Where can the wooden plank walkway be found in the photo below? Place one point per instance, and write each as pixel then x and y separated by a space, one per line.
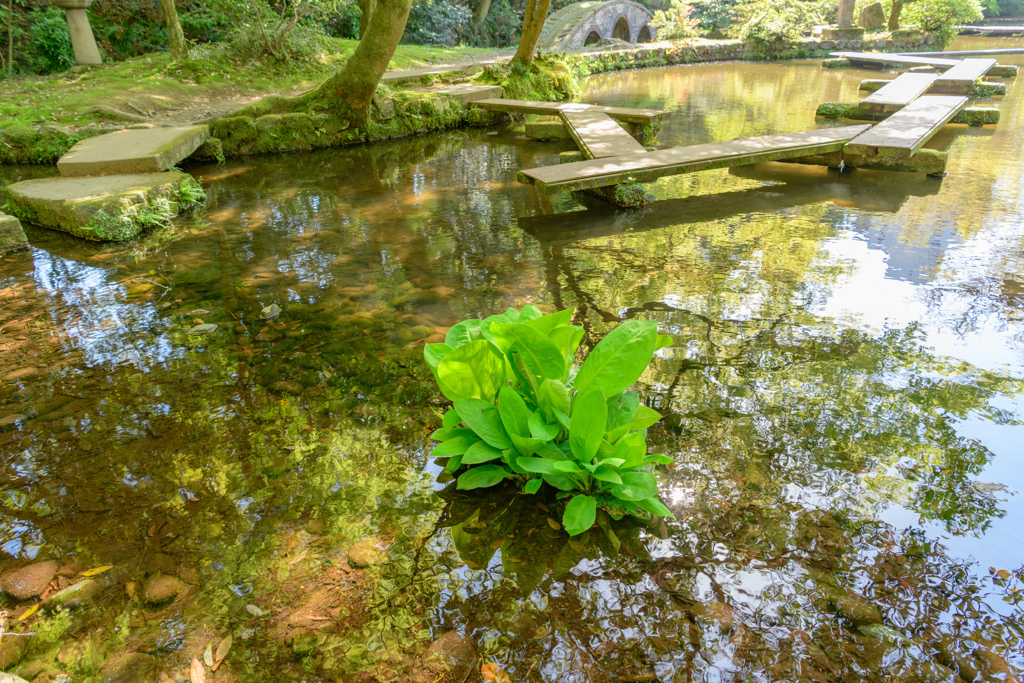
pixel 878 59
pixel 898 93
pixel 907 130
pixel 648 166
pixel 961 78
pixel 992 30
pixel 548 108
pixel 598 136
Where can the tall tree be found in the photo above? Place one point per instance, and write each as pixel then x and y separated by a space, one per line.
pixel 480 13
pixel 175 36
pixel 533 21
pixel 353 87
pixel 366 8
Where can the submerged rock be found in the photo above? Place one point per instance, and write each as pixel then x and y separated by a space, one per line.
pixel 28 582
pixel 206 328
pixel 11 678
pixel 131 668
pixel 286 387
pixel 450 656
pixel 366 553
pixel 160 588
pixel 76 595
pixel 857 609
pixel 270 312
pixel 12 649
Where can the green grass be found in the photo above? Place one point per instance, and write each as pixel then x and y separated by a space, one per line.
pixel 155 82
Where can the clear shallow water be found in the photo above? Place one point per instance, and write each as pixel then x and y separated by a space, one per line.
pixel 846 380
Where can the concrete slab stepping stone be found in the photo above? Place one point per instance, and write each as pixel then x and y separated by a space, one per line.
pixel 132 151
pixel 464 93
pixel 12 235
pixel 105 208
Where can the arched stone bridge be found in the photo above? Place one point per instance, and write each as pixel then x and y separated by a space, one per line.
pixel 585 23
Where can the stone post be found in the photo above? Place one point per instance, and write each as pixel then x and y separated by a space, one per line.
pixel 82 40
pixel 846 11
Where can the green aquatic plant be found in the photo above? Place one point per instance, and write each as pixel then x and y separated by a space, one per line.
pixel 522 410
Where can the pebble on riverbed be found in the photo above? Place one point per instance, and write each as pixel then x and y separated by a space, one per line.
pixel 160 588
pixel 366 553
pixel 28 582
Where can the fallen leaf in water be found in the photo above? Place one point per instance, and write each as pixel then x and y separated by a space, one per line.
pixel 197 674
pixel 208 655
pixel 97 570
pixel 491 671
pixel 131 588
pixel 222 651
pixel 29 612
pixel 152 530
pixel 254 610
pixel 554 525
pixel 497 544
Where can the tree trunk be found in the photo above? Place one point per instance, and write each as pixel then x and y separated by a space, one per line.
pixel 354 86
pixel 366 8
pixel 533 22
pixel 179 49
pixel 480 13
pixel 894 15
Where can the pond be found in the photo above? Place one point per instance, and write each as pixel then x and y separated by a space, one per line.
pixel 843 402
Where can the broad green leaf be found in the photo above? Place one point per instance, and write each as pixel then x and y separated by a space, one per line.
pixel 538 465
pixel 658 458
pixel 453 464
pixel 442 434
pixel 644 418
pixel 539 353
pixel 454 446
pixel 463 333
pixel 451 419
pixel 526 445
pixel 586 426
pixel 559 482
pixel 619 359
pixel 482 417
pixel 608 474
pixel 528 380
pixel 482 477
pixel 433 353
pixel 513 411
pixel 551 452
pixel 664 341
pixel 621 409
pixel 567 339
pixel 552 321
pixel 529 312
pixel 568 466
pixel 579 515
pixel 632 449
pixel 553 396
pixel 540 429
pixel 533 485
pixel 613 462
pixel 473 370
pixel 512 315
pixel 635 486
pixel 480 452
pixel 655 507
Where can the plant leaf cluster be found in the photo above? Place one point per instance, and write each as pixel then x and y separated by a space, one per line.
pixel 523 410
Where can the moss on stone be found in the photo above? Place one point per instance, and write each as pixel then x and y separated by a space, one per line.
pixel 27 144
pixel 972 116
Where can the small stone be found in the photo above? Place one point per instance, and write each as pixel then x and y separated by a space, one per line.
pixel 872 17
pixel 857 609
pixel 160 588
pixel 205 328
pixel 254 610
pixel 131 668
pixel 76 595
pixel 28 582
pixel 450 655
pixel 366 553
pixel 9 420
pixel 12 649
pixel 197 312
pixel 270 312
pixel 286 387
pixel 11 678
pixel 12 235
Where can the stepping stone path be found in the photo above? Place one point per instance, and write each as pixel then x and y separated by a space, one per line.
pixel 102 208
pixel 114 185
pixel 12 235
pixel 150 150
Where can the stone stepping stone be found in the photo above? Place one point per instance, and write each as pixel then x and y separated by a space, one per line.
pixel 464 93
pixel 12 235
pixel 149 150
pixel 104 208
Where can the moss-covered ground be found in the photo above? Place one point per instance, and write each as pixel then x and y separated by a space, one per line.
pixel 155 82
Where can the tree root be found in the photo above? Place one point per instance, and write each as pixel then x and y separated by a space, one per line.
pixel 110 112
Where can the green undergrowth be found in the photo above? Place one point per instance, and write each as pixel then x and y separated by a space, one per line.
pixel 549 78
pixel 154 81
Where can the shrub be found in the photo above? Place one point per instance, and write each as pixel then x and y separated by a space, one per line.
pixel 771 30
pixel 501 28
pixel 714 16
pixel 523 411
pixel 675 23
pixel 123 40
pixel 941 17
pixel 260 38
pixel 342 20
pixel 436 22
pixel 51 42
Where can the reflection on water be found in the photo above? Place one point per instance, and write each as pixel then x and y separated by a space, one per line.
pixel 843 403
